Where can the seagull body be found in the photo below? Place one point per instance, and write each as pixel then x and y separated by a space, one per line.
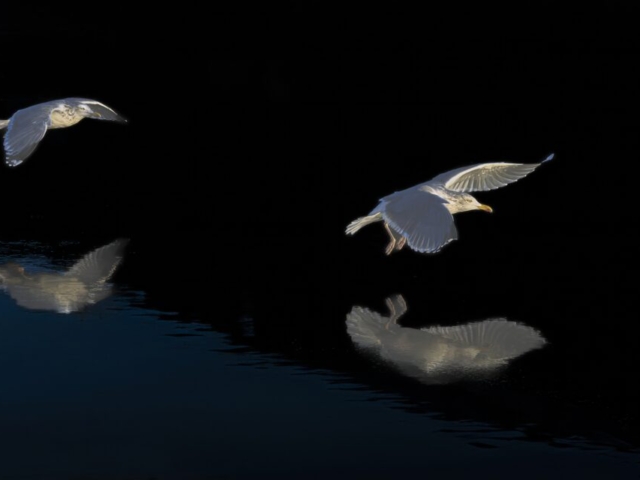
pixel 85 283
pixel 27 127
pixel 422 216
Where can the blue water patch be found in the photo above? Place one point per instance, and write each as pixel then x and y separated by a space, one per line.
pixel 112 392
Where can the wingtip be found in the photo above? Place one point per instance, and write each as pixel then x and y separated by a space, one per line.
pixel 12 163
pixel 121 243
pixel 550 157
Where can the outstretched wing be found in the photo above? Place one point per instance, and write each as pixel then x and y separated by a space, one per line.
pixel 26 128
pixel 101 111
pixel 485 176
pixel 421 218
pixel 98 265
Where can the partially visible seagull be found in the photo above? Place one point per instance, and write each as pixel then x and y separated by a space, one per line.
pixel 27 127
pixel 436 354
pixel 422 216
pixel 85 283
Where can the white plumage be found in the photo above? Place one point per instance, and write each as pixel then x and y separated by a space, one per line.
pixel 422 216
pixel 27 127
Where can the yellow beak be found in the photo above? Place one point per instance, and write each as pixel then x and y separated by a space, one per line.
pixel 486 208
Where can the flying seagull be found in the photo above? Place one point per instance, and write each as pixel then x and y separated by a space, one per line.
pixel 437 354
pixel 422 216
pixel 85 283
pixel 27 127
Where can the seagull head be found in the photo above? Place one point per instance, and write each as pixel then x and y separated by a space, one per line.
pixel 465 202
pixel 476 205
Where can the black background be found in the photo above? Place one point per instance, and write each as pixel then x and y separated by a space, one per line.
pixel 255 136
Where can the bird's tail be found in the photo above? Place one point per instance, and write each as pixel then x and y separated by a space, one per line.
pixel 358 223
pixel 366 327
pixel 3 124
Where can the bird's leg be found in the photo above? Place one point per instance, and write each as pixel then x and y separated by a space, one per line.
pixel 390 247
pixel 401 243
pixel 392 312
pixel 392 242
pixel 395 313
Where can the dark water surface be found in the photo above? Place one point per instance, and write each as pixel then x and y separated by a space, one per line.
pixel 271 384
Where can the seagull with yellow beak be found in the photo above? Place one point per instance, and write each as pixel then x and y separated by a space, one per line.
pixel 422 216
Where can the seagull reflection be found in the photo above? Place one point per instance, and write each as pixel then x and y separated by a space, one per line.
pixel 440 354
pixel 85 283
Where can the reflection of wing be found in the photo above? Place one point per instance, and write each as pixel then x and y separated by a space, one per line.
pixel 26 128
pixel 496 339
pixel 485 176
pixel 421 217
pixel 99 265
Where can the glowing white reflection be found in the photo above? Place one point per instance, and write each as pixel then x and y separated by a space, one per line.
pixel 440 354
pixel 85 283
